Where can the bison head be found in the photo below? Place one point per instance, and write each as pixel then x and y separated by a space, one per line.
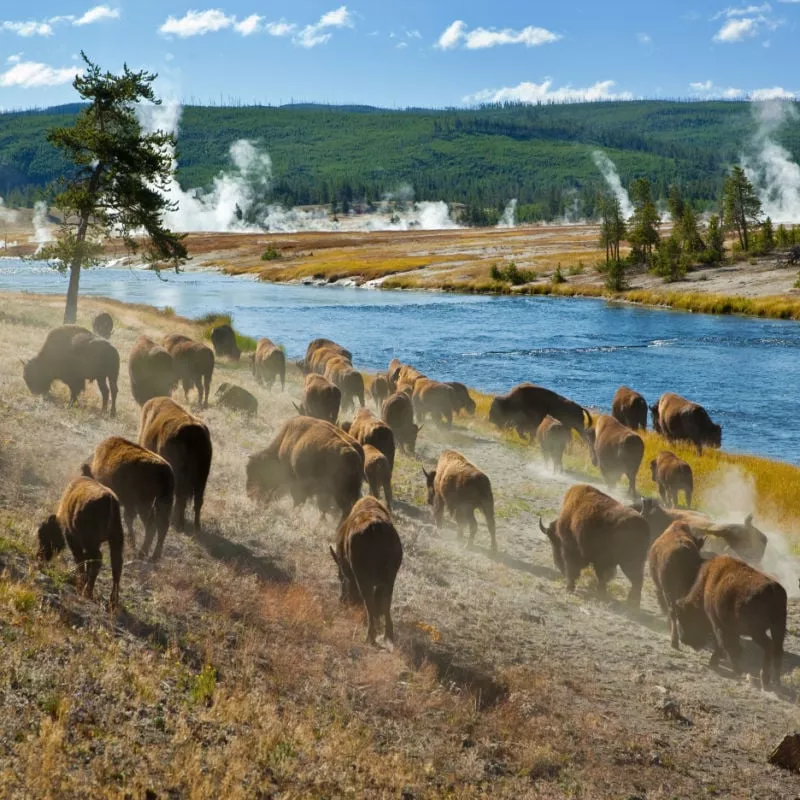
pixel 413 431
pixel 51 538
pixel 714 436
pixel 496 415
pixel 349 589
pixel 693 624
pixel 36 377
pixel 551 533
pixel 430 477
pixel 265 476
pixel 656 420
pixel 590 437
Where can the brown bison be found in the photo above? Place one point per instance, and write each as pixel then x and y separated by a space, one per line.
pixel 672 475
pixel 553 437
pixel 462 401
pixel 340 372
pixel 730 599
pixel 150 370
pixel 366 428
pixel 144 484
pixel 460 487
pixel 223 338
pixel 321 399
pixel 73 355
pixel 678 419
pixel 595 530
pixel 88 514
pixel 325 344
pixel 615 450
pixel 398 413
pixel 526 405
pixel 378 473
pixel 745 540
pixel 379 390
pixel 434 399
pixel 193 363
pixel 629 408
pixel 268 363
pixel 369 554
pixel 184 442
pixel 674 560
pixel 309 458
pixel 235 398
pixel 403 376
pixel 103 324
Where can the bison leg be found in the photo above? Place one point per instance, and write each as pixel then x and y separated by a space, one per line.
pixel 149 533
pixel 129 514
pixel 688 495
pixel 114 389
pixel 103 387
pixel 438 510
pixel 179 512
pixel 93 564
pixel 198 506
pixel 573 572
pixel 368 595
pixel 384 602
pixel 662 493
pixel 632 485
pixel 634 572
pixel 387 493
pixel 469 516
pixel 763 641
pixel 673 630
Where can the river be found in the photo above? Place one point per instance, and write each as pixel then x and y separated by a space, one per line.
pixel 742 369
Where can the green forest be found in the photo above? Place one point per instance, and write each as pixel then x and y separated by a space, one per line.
pixel 353 156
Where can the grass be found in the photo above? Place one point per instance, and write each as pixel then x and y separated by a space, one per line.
pixel 214 319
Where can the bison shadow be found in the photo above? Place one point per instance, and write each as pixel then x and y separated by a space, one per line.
pixel 160 636
pixel 412 511
pixel 240 557
pixel 511 562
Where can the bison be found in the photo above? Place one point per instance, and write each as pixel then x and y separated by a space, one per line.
pixel 366 428
pixel 268 363
pixel 88 514
pixel 460 487
pixel 672 475
pixel 398 413
pixel 143 482
pixel 595 530
pixel 679 419
pixel 369 554
pixel 309 458
pixel 403 376
pixel 434 399
pixel 223 338
pixel 616 450
pixel 378 473
pixel 462 401
pixel 629 408
pixel 553 437
pixel 340 372
pixel 321 399
pixel 184 442
pixel 103 324
pixel 235 398
pixel 193 363
pixel 674 560
pixel 73 355
pixel 526 405
pixel 379 390
pixel 151 371
pixel 327 344
pixel 730 599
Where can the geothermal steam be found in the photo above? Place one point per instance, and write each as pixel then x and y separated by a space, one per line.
pixel 509 218
pixel 609 172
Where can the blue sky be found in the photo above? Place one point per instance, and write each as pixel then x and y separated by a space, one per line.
pixel 395 54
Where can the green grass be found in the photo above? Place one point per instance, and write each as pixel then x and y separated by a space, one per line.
pixel 214 319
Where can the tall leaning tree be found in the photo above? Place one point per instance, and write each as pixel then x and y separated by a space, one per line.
pixel 121 172
pixel 741 207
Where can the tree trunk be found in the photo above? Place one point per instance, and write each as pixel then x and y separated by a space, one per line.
pixel 71 309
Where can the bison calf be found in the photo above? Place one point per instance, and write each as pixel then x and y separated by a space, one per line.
pixel 459 486
pixel 151 371
pixel 103 324
pixel 672 475
pixel 223 338
pixel 615 450
pixel 369 554
pixel 553 437
pixel 398 413
pixel 235 398
pixel 629 408
pixel 193 363
pixel 268 363
pixel 730 599
pixel 88 514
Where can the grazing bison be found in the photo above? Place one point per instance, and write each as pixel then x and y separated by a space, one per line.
pixel 459 486
pixel 193 363
pixel 745 540
pixel 378 473
pixel 309 458
pixel 379 390
pixel 369 554
pixel 462 401
pixel 553 437
pixel 103 324
pixel 629 408
pixel 88 514
pixel 268 363
pixel 321 399
pixel 224 340
pixel 366 428
pixel 526 405
pixel 672 475
pixel 340 372
pixel 72 355
pixel 150 370
pixel 184 442
pixel 730 599
pixel 434 399
pixel 235 398
pixel 678 419
pixel 595 530
pixel 144 484
pixel 398 413
pixel 615 450
pixel 674 560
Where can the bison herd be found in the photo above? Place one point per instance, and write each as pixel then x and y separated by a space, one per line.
pixel 718 595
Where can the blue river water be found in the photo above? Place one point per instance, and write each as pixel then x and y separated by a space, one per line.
pixel 744 370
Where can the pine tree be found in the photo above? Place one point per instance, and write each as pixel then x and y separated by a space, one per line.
pixel 715 242
pixel 767 236
pixel 741 206
pixel 643 232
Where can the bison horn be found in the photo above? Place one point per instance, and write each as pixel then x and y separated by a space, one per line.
pixel 298 409
pixel 425 473
pixel 542 528
pixel 333 555
pixel 748 521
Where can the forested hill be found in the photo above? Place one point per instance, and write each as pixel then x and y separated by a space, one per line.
pixel 540 155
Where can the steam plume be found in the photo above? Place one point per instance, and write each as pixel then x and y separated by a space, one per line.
pixel 41 230
pixel 509 218
pixel 611 177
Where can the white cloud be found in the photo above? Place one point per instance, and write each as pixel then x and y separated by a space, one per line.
pixel 196 23
pixel 280 28
pixel 735 30
pixel 97 14
pixel 415 34
pixel 401 45
pixel 528 92
pixel 320 32
pixel 482 38
pixel 249 25
pixel 701 86
pixel 644 38
pixel 745 22
pixel 452 35
pixel 775 93
pixel 743 11
pixel 29 28
pixel 32 74
pixel 708 90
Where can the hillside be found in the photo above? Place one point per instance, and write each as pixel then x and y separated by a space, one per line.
pixel 540 155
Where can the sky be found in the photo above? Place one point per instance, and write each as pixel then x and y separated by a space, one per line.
pixel 424 53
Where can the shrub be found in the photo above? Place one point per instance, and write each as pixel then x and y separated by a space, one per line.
pixel 202 686
pixel 212 320
pixel 615 277
pixel 512 274
pixel 271 253
pixel 558 276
